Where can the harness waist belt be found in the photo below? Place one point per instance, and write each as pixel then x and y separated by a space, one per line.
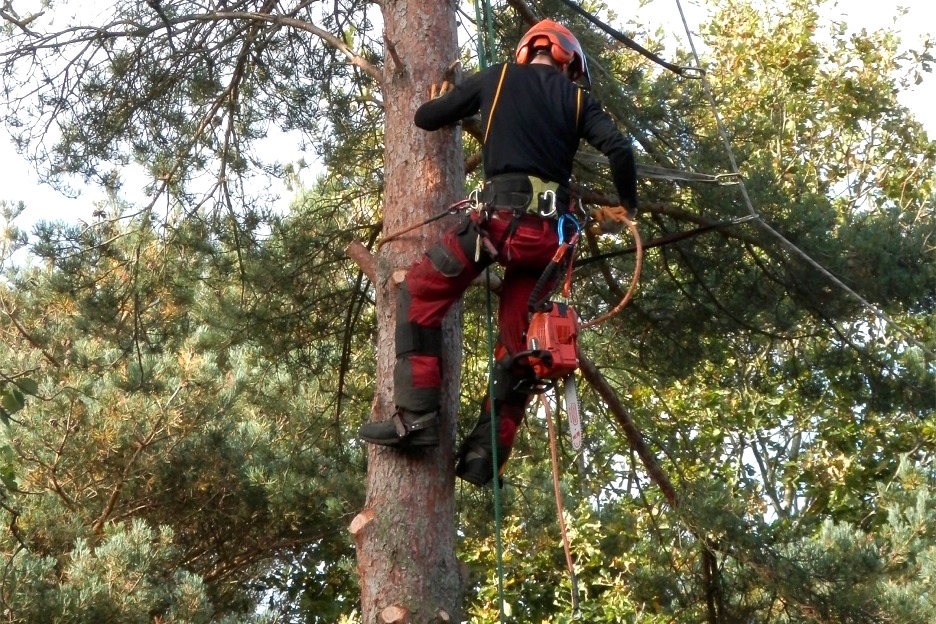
pixel 516 192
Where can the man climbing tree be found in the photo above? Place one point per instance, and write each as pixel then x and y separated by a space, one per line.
pixel 533 118
pixel 186 419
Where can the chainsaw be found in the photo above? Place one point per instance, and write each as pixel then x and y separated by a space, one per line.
pixel 552 340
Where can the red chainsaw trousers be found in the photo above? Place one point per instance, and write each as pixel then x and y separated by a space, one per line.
pixel 524 245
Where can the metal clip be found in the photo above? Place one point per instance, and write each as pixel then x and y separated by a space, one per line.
pixel 728 179
pixel 551 196
pixel 694 73
pixel 475 198
pixel 578 228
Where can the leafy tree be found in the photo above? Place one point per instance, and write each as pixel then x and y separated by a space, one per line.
pixel 154 407
pixel 759 444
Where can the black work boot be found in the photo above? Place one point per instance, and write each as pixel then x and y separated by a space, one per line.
pixel 404 429
pixel 475 465
pixel 475 462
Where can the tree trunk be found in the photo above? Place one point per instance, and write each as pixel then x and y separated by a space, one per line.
pixel 406 534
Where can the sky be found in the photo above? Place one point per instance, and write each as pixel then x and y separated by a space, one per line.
pixel 21 183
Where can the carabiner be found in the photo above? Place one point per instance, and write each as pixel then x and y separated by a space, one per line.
pixel 561 226
pixel 551 196
pixel 475 198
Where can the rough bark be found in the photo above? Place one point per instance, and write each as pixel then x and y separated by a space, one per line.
pixel 406 552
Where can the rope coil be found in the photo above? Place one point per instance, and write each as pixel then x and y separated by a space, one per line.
pixel 635 278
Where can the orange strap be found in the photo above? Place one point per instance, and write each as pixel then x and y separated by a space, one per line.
pixel 494 105
pixel 567 286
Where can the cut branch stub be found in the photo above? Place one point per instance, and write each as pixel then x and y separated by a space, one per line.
pixel 394 615
pixel 361 521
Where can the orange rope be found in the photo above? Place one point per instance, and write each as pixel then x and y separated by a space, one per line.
pixel 555 475
pixel 634 280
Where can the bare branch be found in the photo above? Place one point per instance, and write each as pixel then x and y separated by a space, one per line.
pixel 634 436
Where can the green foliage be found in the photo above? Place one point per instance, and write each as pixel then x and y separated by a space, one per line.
pixel 879 576
pixel 183 388
pixel 12 400
pixel 163 401
pixel 123 578
pixel 13 397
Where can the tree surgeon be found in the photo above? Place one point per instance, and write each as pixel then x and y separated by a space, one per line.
pixel 534 115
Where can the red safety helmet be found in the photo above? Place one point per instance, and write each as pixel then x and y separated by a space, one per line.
pixel 563 47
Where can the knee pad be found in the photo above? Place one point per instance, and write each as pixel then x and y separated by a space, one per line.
pixel 410 337
pixel 444 261
pixel 417 383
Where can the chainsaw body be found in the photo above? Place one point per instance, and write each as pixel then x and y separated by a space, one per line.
pixel 553 341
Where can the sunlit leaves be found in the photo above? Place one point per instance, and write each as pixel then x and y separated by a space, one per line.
pixel 205 369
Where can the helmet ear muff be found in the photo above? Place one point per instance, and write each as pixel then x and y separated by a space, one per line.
pixel 561 56
pixel 544 42
pixel 523 55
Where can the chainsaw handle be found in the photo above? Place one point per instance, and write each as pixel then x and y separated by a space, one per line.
pixel 539 294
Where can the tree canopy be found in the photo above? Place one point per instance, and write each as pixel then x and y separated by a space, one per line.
pixel 181 381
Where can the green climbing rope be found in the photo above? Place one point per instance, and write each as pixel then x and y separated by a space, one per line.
pixel 499 546
pixel 482 54
pixel 484 16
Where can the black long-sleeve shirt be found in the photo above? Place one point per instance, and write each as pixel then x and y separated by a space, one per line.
pixel 539 118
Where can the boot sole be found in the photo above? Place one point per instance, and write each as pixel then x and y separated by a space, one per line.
pixel 475 480
pixel 411 440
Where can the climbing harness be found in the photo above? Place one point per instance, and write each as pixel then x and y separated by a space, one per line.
pixel 522 193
